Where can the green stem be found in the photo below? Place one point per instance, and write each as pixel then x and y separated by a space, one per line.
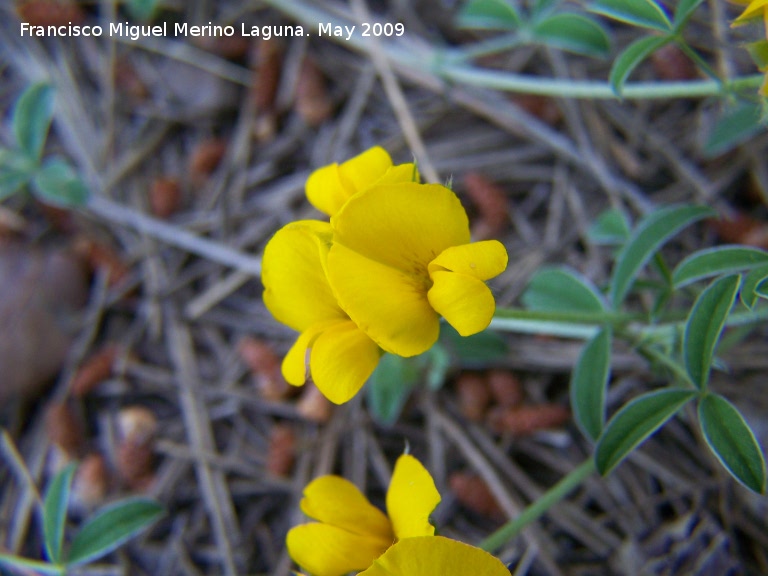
pixel 424 59
pixel 541 505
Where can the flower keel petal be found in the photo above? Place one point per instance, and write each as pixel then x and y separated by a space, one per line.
pixel 482 260
pixel 465 302
pixel 411 498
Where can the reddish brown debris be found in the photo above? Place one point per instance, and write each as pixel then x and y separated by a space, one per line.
pixel 128 81
pixel 135 458
pixel 491 203
pixel 528 419
pixel 474 395
pixel 506 388
pixel 95 369
pixel 670 63
pixel 91 482
pixel 165 197
pixel 50 12
pixel 282 450
pixel 264 364
pixel 742 229
pixel 102 257
pixel 206 157
pixel 313 103
pixel 542 107
pixel 473 493
pixel 266 79
pixel 65 428
pixel 313 406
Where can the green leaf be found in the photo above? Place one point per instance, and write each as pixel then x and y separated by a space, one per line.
pixel 573 32
pixel 16 168
pixel 111 527
pixel 611 228
pixel 635 422
pixel 589 382
pixel 390 385
pixel 759 53
pixel 488 14
pixel 55 506
pixel 734 127
pixel 560 289
pixel 732 441
pixel 717 261
pixel 762 288
pixel 142 10
pixel 651 233
pixel 474 351
pixel 32 117
pixel 542 8
pixel 705 324
pixel 27 565
pixel 643 13
pixel 631 57
pixel 683 11
pixel 439 363
pixel 57 183
pixel 752 285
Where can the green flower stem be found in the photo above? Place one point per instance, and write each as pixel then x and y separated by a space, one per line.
pixel 539 506
pixel 425 59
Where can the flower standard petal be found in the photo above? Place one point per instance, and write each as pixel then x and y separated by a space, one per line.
pixel 342 359
pixel 465 302
pixel 483 260
pixel 435 556
pixel 411 498
pixel 387 304
pixel 296 290
pixel 324 550
pixel 403 225
pixel 335 501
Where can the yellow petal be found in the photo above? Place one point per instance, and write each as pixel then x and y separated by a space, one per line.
pixel 400 173
pixel 390 306
pixel 324 550
pixel 329 187
pixel 756 9
pixel 435 556
pixel 404 226
pixel 411 498
pixel 296 290
pixel 342 359
pixel 465 302
pixel 335 501
pixel 483 260
pixel 294 365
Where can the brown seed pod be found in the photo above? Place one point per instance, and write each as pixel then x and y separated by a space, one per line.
pixel 65 429
pixel 95 369
pixel 313 406
pixel 206 157
pixel 165 197
pixel 91 482
pixel 313 103
pixel 491 203
pixel 282 450
pixel 50 12
pixel 528 419
pixel 506 388
pixel 473 493
pixel 474 395
pixel 264 363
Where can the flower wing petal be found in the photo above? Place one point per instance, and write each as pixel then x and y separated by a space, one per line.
pixel 387 304
pixel 365 169
pixel 336 501
pixel 342 359
pixel 296 290
pixel 294 365
pixel 324 550
pixel 411 498
pixel 464 301
pixel 404 226
pixel 483 260
pixel 435 556
pixel 325 189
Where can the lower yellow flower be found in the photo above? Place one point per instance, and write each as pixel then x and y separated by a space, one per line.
pixel 297 293
pixel 350 533
pixel 329 187
pixel 401 258
pixel 435 556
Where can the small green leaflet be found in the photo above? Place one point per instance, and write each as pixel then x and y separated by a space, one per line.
pixel 574 33
pixel 705 324
pixel 611 228
pixel 732 441
pixel 589 382
pixel 754 286
pixel 735 126
pixel 32 117
pixel 631 57
pixel 716 261
pixel 635 422
pixel 644 13
pixel 390 385
pixel 55 512
pixel 16 168
pixel 57 183
pixel 683 11
pixel 560 289
pixel 488 14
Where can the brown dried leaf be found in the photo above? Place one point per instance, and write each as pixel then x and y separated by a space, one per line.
pixel 206 157
pixel 742 229
pixel 64 428
pixel 491 203
pixel 264 364
pixel 474 395
pixel 95 369
pixel 100 256
pixel 165 197
pixel 506 388
pixel 473 493
pixel 282 450
pixel 528 419
pixel 135 465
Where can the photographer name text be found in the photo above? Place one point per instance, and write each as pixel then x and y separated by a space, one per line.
pixel 135 32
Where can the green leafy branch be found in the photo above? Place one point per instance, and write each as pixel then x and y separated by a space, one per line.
pixel 106 530
pixel 53 180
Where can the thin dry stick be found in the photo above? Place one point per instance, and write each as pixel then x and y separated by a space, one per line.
pixel 397 99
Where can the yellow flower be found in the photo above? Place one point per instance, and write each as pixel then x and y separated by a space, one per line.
pixel 401 257
pixel 329 187
pixel 350 533
pixel 435 556
pixel 297 293
pixel 755 9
